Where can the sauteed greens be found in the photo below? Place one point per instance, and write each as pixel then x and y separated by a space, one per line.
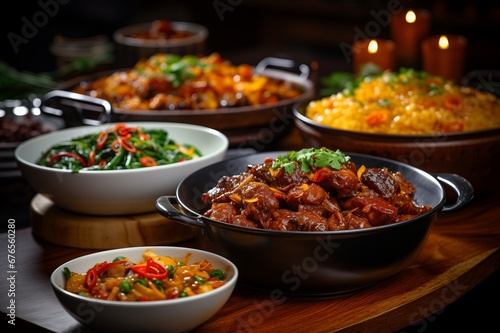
pixel 118 147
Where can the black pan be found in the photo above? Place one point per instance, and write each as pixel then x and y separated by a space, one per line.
pixel 314 263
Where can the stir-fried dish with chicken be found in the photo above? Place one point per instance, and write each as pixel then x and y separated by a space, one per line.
pixel 173 82
pixel 156 277
pixel 313 190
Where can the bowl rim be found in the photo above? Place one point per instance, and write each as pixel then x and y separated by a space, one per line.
pixel 151 124
pixel 230 283
pixel 298 110
pixel 200 33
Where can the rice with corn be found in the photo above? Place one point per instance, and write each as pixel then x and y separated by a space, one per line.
pixel 407 102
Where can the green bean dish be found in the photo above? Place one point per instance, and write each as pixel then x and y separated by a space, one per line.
pixel 117 148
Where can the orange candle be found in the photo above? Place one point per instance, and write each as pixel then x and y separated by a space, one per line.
pixel 444 56
pixel 379 52
pixel 408 29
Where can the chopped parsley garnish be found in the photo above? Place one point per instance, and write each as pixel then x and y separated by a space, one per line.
pixel 311 157
pixel 178 68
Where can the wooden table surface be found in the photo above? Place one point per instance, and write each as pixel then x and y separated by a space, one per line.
pixel 461 252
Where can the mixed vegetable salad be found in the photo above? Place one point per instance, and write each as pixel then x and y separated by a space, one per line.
pixel 116 148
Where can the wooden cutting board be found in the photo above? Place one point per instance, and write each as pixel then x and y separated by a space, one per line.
pixel 66 228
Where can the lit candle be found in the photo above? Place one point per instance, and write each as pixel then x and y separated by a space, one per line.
pixel 378 52
pixel 408 29
pixel 444 56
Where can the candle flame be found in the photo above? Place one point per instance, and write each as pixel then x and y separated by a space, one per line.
pixel 373 47
pixel 410 16
pixel 443 42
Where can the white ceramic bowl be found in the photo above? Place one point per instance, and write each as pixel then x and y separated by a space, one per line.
pixel 174 315
pixel 116 192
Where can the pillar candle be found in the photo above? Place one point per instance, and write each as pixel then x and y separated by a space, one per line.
pixel 408 29
pixel 379 52
pixel 444 55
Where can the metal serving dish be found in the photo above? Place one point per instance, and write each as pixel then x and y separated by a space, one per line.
pixel 314 263
pixel 242 125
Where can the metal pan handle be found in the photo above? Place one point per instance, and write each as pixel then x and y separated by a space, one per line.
pixel 305 71
pixel 462 187
pixel 165 206
pixel 67 104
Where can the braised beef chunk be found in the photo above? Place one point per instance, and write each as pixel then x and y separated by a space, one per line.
pixel 287 220
pixel 225 186
pixel 243 221
pixel 354 221
pixel 322 199
pixel 222 211
pixel 404 184
pixel 307 195
pixel 283 180
pixel 344 182
pixel 406 205
pixel 381 181
pixel 258 203
pixel 336 221
pixel 376 210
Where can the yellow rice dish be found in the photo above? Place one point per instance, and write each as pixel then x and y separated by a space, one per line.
pixel 407 102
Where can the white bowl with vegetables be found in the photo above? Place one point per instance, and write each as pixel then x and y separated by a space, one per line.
pixel 114 291
pixel 117 168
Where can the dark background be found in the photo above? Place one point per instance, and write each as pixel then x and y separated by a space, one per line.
pixel 245 30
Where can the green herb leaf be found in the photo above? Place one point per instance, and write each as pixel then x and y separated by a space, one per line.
pixel 310 158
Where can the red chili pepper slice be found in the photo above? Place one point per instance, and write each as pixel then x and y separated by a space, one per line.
pixel 101 140
pixel 377 117
pixel 453 103
pixel 453 126
pixel 57 156
pixel 125 137
pixel 123 130
pixel 148 161
pixel 101 267
pixel 91 158
pixel 128 146
pixel 174 294
pixel 93 274
pixel 151 269
pixel 156 270
pixel 119 129
pixel 116 145
pixel 91 278
pixel 320 175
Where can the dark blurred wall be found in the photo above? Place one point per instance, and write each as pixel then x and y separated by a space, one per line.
pixel 29 27
pixel 239 27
